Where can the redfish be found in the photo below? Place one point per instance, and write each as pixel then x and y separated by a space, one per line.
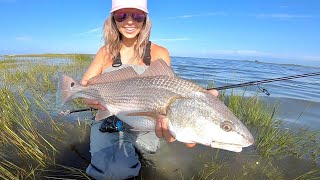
pixel 194 115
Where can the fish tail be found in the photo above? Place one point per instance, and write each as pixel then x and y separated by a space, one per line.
pixel 65 89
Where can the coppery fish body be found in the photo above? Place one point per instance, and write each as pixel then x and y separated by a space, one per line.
pixel 194 114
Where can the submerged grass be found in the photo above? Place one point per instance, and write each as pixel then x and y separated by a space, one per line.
pixel 22 140
pixel 33 132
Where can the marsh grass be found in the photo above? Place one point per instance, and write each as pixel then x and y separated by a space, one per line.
pixel 21 138
pixel 34 134
pixel 8 63
pixel 31 134
pixel 63 172
pixel 212 168
pixel 311 175
pixel 81 58
pixel 256 171
pixel 48 55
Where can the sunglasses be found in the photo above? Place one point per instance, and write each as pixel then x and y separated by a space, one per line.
pixel 138 17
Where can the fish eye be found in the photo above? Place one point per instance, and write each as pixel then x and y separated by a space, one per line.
pixel 72 84
pixel 227 126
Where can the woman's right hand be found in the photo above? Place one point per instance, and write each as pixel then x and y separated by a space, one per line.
pixel 91 102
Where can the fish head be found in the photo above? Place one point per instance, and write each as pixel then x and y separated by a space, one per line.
pixel 229 134
pixel 210 122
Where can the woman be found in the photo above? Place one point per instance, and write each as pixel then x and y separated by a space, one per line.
pixel 126 35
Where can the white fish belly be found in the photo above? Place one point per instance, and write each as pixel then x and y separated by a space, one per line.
pixel 138 123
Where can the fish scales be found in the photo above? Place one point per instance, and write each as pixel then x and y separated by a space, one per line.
pixel 140 92
pixel 194 115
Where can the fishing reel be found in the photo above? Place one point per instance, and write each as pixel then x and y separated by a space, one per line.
pixel 111 124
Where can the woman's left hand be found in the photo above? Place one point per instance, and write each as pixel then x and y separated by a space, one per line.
pixel 162 130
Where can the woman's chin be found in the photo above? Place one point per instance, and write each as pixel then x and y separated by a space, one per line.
pixel 130 36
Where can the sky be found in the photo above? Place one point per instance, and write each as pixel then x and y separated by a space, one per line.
pixel 279 31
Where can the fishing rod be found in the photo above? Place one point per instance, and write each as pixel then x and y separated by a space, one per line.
pixel 66 112
pixel 251 83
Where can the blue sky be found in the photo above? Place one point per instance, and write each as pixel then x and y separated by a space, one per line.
pixel 280 31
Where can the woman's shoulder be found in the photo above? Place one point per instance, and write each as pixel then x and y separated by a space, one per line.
pixel 159 52
pixel 102 56
pixel 102 51
pixel 159 49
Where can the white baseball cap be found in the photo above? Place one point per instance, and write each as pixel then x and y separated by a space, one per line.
pixel 137 4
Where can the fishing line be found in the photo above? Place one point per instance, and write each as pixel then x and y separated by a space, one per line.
pixel 251 83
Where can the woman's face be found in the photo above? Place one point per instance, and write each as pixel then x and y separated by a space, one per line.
pixel 129 21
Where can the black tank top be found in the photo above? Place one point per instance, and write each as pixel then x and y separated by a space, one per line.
pixel 146 58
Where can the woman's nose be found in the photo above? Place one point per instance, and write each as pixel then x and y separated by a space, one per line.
pixel 130 19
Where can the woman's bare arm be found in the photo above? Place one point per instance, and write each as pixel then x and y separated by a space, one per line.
pixel 94 69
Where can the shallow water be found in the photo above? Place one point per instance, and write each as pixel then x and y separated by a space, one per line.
pixel 175 161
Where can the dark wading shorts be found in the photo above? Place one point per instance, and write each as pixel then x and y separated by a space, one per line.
pixel 113 155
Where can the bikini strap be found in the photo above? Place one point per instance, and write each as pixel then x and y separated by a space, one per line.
pixel 147 54
pixel 117 61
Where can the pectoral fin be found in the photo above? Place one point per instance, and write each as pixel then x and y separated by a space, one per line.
pixel 163 111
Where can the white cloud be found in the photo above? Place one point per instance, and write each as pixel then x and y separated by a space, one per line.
pixel 171 39
pixel 284 6
pixel 284 16
pixel 262 54
pixel 91 32
pixel 198 15
pixel 23 38
pixel 240 52
pixel 311 58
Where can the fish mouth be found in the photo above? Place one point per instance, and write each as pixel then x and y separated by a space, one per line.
pixel 229 147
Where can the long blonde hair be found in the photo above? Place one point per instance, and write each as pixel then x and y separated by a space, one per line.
pixel 112 39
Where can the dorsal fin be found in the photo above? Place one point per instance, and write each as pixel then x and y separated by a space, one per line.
pixel 159 68
pixel 117 75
